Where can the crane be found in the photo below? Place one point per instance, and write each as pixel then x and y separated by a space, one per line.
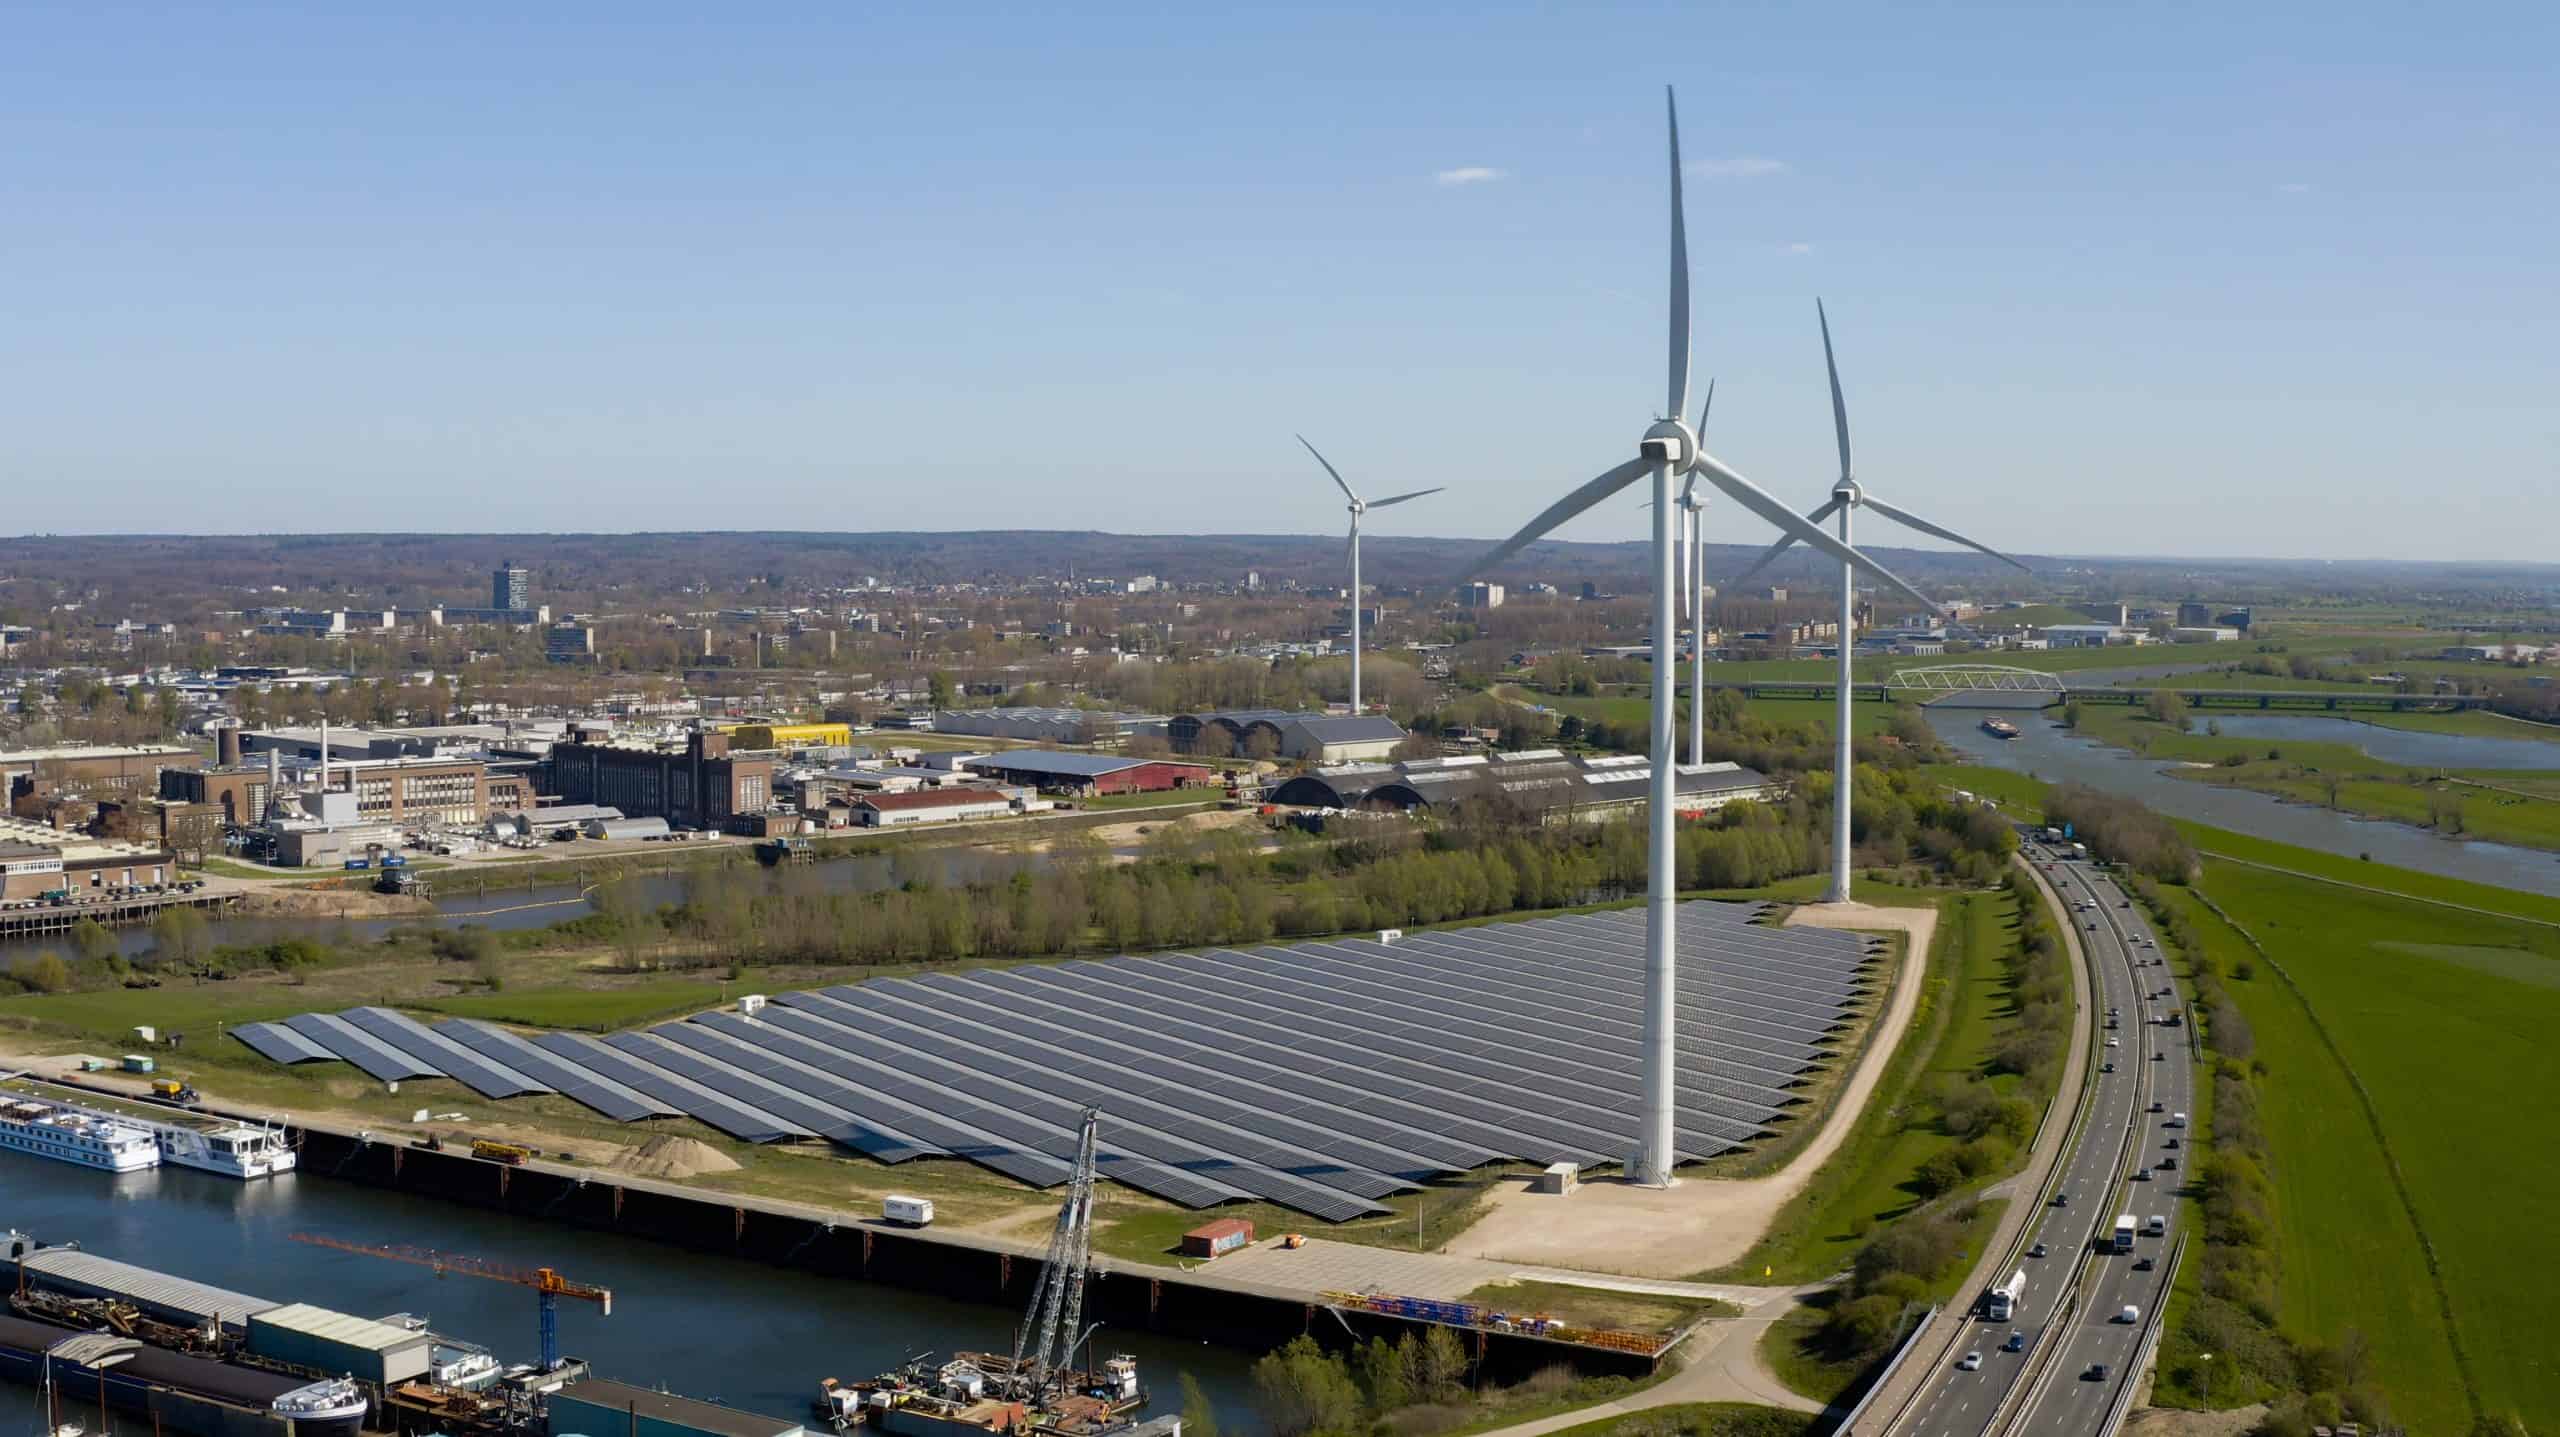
pixel 548 1284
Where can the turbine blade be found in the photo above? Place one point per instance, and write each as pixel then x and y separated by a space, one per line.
pixel 1770 555
pixel 1910 520
pixel 1707 408
pixel 1557 513
pixel 1400 498
pixel 1329 469
pixel 1679 404
pixel 1839 406
pixel 1761 502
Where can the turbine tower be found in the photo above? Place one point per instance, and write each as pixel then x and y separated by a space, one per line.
pixel 1359 506
pixel 1693 580
pixel 1847 495
pixel 1667 451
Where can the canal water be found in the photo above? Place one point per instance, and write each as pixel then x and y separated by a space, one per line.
pixel 2413 747
pixel 750 1335
pixel 2048 751
pixel 543 904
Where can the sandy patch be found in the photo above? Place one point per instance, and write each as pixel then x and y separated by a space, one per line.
pixel 669 1156
pixel 1615 1226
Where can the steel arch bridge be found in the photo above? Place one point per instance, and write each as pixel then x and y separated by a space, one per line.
pixel 1974 678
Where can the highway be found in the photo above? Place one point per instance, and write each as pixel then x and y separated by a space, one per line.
pixel 2122 1134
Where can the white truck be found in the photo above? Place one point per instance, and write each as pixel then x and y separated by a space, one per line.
pixel 907 1211
pixel 2124 1233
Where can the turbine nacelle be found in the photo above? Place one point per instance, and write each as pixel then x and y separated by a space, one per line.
pixel 1672 442
pixel 1848 491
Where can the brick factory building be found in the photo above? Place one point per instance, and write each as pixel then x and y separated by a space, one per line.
pixel 1089 773
pixel 702 785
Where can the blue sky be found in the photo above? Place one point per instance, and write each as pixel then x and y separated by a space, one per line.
pixel 2143 280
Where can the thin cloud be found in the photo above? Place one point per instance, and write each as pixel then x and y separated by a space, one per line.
pixel 1470 175
pixel 1738 167
pixel 1799 247
pixel 2293 187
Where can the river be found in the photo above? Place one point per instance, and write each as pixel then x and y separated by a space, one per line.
pixel 2048 751
pixel 746 1334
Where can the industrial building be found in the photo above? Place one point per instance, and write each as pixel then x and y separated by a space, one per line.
pixel 935 805
pixel 1481 595
pixel 569 644
pixel 703 784
pixel 36 860
pixel 109 765
pixel 453 792
pixel 1089 773
pixel 333 1344
pixel 1541 782
pixel 1049 725
pixel 1285 733
pixel 786 735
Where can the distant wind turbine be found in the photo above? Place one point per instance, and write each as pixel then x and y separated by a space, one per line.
pixel 1669 450
pixel 1359 506
pixel 1848 494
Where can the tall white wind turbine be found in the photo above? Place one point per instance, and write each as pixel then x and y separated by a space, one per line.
pixel 1693 590
pixel 1359 506
pixel 1668 451
pixel 1848 494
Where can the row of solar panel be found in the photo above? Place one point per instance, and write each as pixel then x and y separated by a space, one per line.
pixel 1323 1077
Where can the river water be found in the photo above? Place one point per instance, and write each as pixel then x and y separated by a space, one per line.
pixel 2413 747
pixel 743 1333
pixel 2046 750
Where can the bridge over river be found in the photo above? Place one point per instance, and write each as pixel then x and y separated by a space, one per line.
pixel 1987 685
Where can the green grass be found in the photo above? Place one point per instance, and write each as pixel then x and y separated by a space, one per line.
pixel 2478 723
pixel 593 1010
pixel 1171 797
pixel 2448 1052
pixel 2406 882
pixel 1699 1419
pixel 1964 1007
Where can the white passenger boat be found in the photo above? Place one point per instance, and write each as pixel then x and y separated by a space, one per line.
pixel 73 1135
pixel 236 1150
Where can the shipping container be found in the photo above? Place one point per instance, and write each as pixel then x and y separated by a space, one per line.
pixel 334 1344
pixel 1213 1239
pixel 138 1063
pixel 912 1211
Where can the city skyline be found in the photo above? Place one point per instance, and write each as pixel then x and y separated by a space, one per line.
pixel 303 271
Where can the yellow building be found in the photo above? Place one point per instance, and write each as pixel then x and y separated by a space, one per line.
pixel 786 735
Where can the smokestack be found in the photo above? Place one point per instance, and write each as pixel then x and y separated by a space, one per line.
pixel 275 780
pixel 226 745
pixel 324 753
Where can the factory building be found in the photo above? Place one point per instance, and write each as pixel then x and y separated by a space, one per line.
pixel 36 860
pixel 1049 725
pixel 703 784
pixel 453 792
pixel 1283 733
pixel 1089 773
pixel 1540 782
pixel 787 735
pixel 107 765
pixel 934 805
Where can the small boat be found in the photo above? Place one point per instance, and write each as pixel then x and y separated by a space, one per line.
pixel 334 1407
pixel 1999 728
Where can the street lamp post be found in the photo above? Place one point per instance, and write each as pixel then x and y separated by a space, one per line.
pixel 2207 1360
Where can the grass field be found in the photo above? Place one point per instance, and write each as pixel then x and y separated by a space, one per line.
pixel 2445 1018
pixel 594 1010
pixel 1698 1419
pixel 1964 1007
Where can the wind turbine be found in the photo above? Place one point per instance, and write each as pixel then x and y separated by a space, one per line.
pixel 1848 494
pixel 1359 506
pixel 1693 579
pixel 1669 450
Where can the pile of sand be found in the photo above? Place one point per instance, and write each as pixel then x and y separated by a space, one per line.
pixel 673 1157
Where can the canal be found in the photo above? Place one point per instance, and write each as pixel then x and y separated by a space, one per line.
pixel 749 1335
pixel 2048 751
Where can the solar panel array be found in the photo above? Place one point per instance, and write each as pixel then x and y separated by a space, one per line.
pixel 1323 1077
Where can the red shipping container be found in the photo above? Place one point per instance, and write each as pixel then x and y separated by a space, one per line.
pixel 1223 1236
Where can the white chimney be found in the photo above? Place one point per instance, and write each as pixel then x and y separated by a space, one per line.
pixel 324 753
pixel 275 780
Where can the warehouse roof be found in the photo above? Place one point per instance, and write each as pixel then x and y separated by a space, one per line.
pixel 357 1332
pixel 88 1275
pixel 1077 765
pixel 699 1416
pixel 930 798
pixel 1351 728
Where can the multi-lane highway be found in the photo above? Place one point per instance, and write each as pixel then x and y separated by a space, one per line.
pixel 2143 1085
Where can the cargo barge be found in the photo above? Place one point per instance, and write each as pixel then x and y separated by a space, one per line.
pixel 1999 728
pixel 103 1372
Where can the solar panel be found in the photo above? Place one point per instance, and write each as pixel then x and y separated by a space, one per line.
pixel 569 1079
pixel 360 1048
pixel 485 1076
pixel 1322 1076
pixel 281 1044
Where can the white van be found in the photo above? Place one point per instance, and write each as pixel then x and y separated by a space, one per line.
pixel 2130 1315
pixel 2158 1226
pixel 2176 1120
pixel 907 1211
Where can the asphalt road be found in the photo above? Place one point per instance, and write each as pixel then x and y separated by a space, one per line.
pixel 2094 1189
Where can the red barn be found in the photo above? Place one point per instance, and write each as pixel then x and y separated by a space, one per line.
pixel 1090 773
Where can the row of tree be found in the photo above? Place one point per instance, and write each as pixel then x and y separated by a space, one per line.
pixel 2121 829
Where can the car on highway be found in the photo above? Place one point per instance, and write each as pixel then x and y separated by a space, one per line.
pixel 2093 925
pixel 2170 1163
pixel 2107 1067
pixel 2095 1372
pixel 2130 1315
pixel 2036 1251
pixel 1970 1362
pixel 2142 1175
pixel 2144 1264
pixel 2115 1042
pixel 2062 1199
pixel 2159 1107
pixel 2017 1342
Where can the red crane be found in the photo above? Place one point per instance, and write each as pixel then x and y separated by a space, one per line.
pixel 546 1282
